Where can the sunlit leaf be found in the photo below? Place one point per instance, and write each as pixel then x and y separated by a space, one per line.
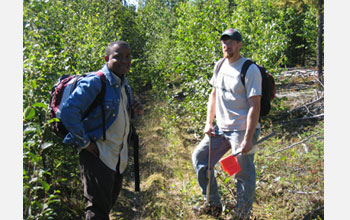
pixel 39 104
pixel 29 113
pixel 34 85
pixel 46 145
pixel 54 120
pixel 45 185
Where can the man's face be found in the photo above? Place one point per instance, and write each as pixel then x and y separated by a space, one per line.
pixel 230 48
pixel 119 60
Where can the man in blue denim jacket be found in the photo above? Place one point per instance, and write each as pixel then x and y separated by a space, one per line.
pixel 102 162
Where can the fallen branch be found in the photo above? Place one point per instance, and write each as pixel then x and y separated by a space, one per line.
pixel 320 83
pixel 303 193
pixel 266 137
pixel 293 145
pixel 303 118
pixel 307 104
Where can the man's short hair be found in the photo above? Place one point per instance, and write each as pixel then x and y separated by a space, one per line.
pixel 110 45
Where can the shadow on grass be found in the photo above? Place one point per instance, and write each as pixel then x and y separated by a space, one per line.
pixel 288 125
pixel 153 175
pixel 128 205
pixel 317 213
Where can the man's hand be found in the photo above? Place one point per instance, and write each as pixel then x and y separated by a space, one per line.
pixel 246 146
pixel 93 149
pixel 137 107
pixel 209 129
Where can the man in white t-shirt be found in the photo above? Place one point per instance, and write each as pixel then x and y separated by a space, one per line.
pixel 236 108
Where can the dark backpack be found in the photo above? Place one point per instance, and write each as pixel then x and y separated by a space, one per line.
pixel 60 93
pixel 268 84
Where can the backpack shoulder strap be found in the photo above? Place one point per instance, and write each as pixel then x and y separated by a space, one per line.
pixel 245 67
pixel 218 66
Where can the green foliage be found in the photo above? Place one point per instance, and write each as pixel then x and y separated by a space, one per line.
pixel 183 54
pixel 175 45
pixel 61 37
pixel 290 183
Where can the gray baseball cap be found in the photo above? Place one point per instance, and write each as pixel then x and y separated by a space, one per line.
pixel 233 34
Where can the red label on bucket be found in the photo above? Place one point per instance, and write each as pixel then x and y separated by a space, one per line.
pixel 230 165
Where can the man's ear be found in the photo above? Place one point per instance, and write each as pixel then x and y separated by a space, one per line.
pixel 106 58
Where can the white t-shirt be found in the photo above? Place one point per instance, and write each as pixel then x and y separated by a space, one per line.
pixel 232 96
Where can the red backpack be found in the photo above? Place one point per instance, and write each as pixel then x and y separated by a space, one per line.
pixel 60 93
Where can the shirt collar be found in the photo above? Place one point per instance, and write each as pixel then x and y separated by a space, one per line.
pixel 118 79
pixel 113 78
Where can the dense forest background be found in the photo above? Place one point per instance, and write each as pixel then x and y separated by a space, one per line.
pixel 175 45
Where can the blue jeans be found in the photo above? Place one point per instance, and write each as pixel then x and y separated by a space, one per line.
pixel 246 178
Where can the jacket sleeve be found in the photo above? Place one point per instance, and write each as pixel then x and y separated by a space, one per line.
pixel 75 107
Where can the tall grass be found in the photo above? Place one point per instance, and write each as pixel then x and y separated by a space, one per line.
pixel 289 183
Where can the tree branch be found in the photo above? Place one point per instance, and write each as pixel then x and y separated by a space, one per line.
pixel 302 192
pixel 293 145
pixel 303 118
pixel 307 104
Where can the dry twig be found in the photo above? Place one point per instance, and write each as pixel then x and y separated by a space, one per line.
pixel 290 146
pixel 307 104
pixel 302 192
pixel 303 118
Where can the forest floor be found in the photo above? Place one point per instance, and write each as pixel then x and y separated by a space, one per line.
pixel 289 165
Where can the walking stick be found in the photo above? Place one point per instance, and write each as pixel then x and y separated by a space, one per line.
pixel 135 143
pixel 209 171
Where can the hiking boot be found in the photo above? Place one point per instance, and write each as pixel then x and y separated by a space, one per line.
pixel 247 217
pixel 211 209
pixel 240 218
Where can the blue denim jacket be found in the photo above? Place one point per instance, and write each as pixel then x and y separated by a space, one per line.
pixel 82 131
